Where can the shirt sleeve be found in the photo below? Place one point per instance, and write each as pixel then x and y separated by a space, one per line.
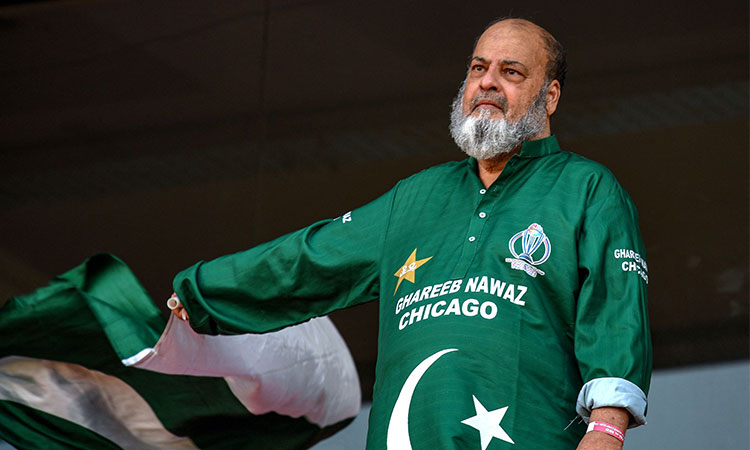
pixel 612 338
pixel 329 265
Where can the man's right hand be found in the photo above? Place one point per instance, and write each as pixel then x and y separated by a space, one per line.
pixel 176 307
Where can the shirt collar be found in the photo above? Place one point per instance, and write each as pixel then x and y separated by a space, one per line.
pixel 531 149
pixel 540 147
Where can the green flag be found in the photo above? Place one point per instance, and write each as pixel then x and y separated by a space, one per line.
pixel 64 384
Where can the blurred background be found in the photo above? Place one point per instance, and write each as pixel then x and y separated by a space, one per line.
pixel 168 132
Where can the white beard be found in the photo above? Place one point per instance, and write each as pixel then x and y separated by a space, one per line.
pixel 485 138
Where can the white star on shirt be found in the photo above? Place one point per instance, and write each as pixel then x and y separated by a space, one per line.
pixel 488 424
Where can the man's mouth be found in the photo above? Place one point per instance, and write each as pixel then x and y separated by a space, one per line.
pixel 486 104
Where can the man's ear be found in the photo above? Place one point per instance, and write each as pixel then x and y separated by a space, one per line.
pixel 553 96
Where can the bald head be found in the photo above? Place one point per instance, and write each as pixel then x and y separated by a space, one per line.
pixel 556 64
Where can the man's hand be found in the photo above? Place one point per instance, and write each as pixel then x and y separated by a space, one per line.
pixel 597 440
pixel 176 307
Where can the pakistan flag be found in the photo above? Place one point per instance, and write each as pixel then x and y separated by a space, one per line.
pixel 89 362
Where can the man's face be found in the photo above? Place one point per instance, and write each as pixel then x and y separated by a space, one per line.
pixel 507 70
pixel 504 98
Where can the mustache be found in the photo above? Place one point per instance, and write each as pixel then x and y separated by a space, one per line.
pixel 496 98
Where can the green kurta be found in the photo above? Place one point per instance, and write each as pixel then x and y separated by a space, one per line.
pixel 496 305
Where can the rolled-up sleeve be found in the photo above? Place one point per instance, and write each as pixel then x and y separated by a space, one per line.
pixel 612 338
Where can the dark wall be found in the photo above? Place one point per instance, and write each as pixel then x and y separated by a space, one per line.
pixel 182 131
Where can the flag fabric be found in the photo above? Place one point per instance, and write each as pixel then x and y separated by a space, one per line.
pixel 89 362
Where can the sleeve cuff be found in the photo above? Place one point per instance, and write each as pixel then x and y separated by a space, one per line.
pixel 612 392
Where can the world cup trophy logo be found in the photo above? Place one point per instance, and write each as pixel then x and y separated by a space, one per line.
pixel 532 238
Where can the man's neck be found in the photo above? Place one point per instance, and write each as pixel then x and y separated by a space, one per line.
pixel 490 169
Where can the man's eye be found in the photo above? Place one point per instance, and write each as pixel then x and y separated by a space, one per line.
pixel 513 74
pixel 477 68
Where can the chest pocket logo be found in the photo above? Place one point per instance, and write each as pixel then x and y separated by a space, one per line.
pixel 529 242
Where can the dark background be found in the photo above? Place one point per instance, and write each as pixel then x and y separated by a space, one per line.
pixel 167 132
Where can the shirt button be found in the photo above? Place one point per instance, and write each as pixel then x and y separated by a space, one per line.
pixel 482 215
pixel 472 239
pixel 483 191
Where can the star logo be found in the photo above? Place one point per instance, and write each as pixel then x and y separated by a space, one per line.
pixel 488 424
pixel 406 272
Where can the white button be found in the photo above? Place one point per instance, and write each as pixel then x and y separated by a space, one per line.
pixel 482 214
pixel 472 239
pixel 482 191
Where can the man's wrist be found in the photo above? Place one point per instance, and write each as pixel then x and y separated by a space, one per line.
pixel 606 428
pixel 618 417
pixel 599 441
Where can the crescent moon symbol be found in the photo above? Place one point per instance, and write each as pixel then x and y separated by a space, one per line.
pixel 398 427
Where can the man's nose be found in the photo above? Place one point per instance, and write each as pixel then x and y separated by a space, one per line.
pixel 490 81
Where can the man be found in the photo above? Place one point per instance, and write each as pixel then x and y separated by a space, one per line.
pixel 512 285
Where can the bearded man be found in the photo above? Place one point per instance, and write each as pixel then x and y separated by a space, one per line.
pixel 525 305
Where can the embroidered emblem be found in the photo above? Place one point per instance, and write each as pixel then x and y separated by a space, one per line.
pixel 532 238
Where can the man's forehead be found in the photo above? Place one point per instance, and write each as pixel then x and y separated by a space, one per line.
pixel 513 39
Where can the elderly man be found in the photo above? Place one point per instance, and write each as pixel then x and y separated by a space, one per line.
pixel 512 285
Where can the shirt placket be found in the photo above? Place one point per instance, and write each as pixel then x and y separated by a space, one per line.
pixel 488 198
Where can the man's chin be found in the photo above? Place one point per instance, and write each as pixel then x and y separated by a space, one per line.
pixel 487 112
pixel 486 154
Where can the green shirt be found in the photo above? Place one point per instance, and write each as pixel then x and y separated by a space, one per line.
pixel 496 305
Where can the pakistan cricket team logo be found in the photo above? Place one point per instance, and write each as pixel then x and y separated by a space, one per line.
pixel 531 239
pixel 406 272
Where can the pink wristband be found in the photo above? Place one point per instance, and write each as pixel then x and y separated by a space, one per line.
pixel 608 428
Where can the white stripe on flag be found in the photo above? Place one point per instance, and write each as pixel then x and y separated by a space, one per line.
pixel 303 370
pixel 102 403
